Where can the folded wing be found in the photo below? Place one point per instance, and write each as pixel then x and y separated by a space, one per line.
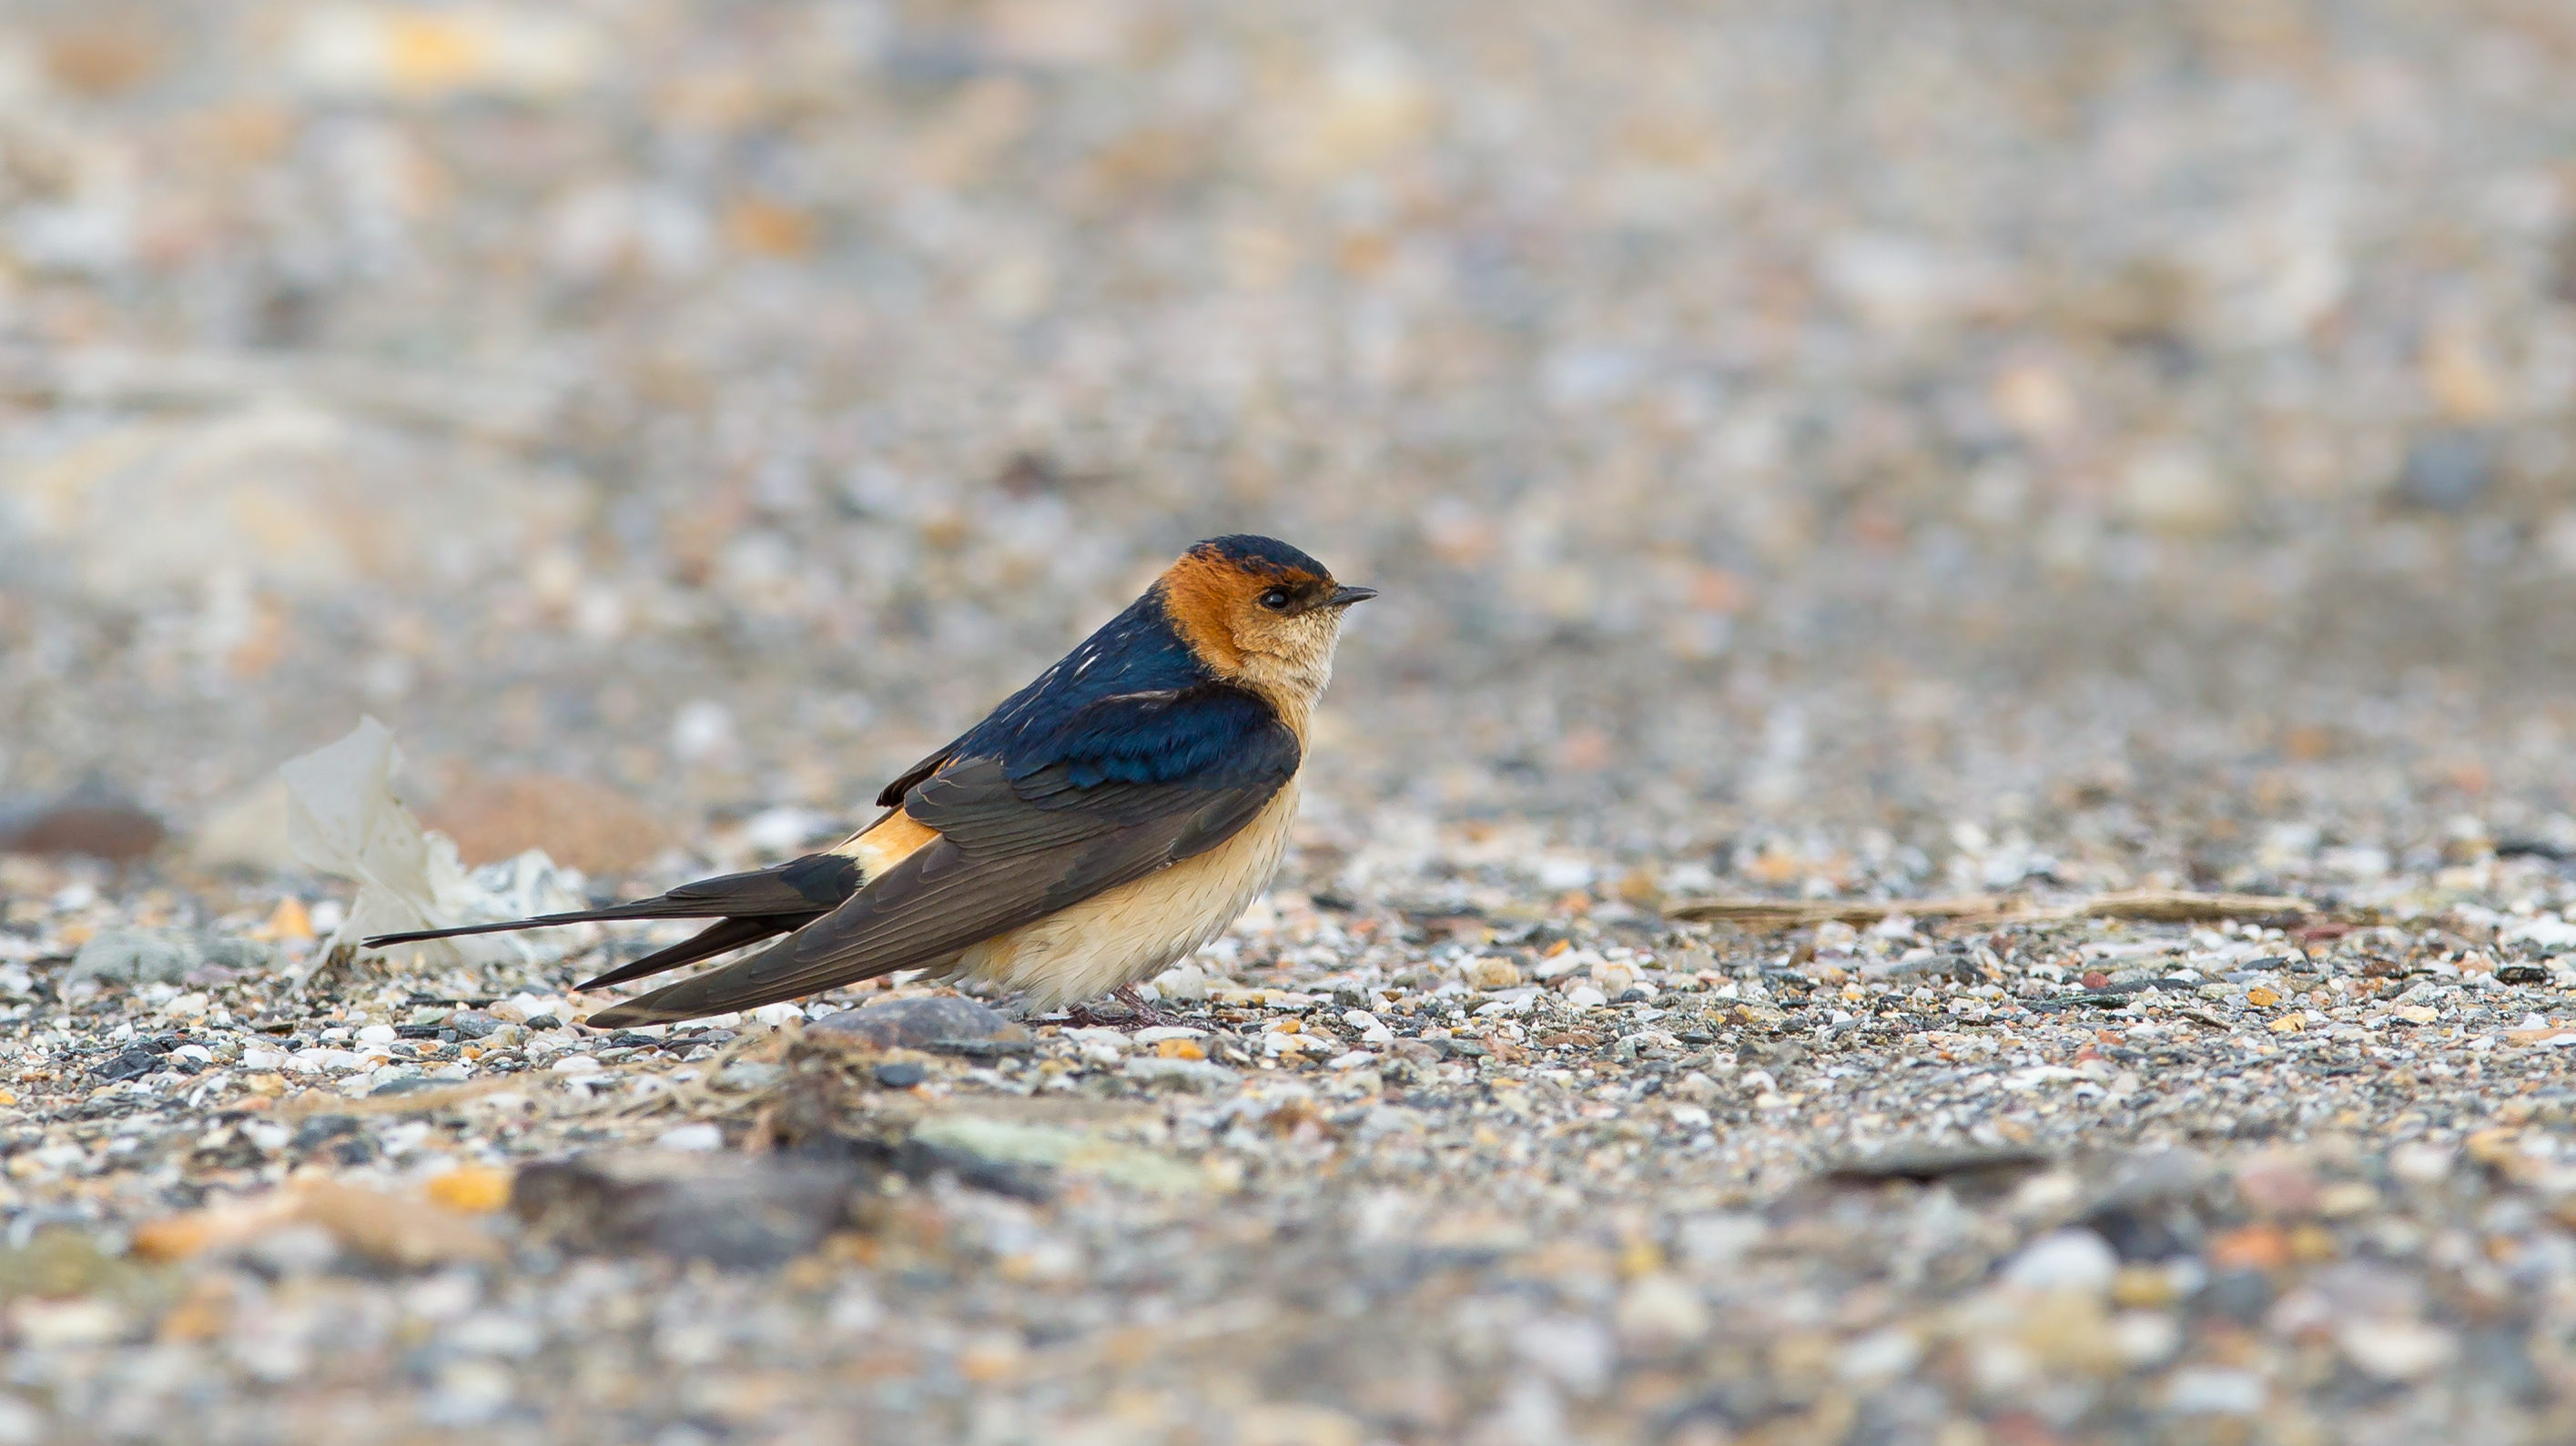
pixel 1122 787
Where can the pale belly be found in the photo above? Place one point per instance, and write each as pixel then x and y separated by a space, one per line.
pixel 1137 930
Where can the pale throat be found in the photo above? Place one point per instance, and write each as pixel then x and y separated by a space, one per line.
pixel 1293 677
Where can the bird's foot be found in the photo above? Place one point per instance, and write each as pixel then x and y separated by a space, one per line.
pixel 1138 1015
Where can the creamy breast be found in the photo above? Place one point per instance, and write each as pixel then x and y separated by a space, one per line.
pixel 1137 930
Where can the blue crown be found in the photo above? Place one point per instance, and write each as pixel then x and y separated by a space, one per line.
pixel 1260 554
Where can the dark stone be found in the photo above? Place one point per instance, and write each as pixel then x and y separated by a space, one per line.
pixel 923 1160
pixel 982 1048
pixel 418 1031
pixel 2147 1230
pixel 902 1074
pixel 921 1023
pixel 322 1129
pixel 134 1063
pixel 2522 974
pixel 2151 1206
pixel 2448 470
pixel 1416 1051
pixel 2090 999
pixel 2239 1295
pixel 1030 473
pixel 1923 1162
pixel 92 819
pixel 2497 1358
pixel 471 1025
pixel 736 1212
pixel 544 1021
pixel 135 956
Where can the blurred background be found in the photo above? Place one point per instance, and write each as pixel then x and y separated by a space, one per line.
pixel 1827 445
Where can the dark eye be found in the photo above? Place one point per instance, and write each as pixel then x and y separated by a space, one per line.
pixel 1276 599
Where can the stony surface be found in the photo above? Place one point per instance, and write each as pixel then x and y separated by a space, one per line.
pixel 1422 1168
pixel 1832 452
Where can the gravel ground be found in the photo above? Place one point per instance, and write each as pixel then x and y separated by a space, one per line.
pixel 1814 452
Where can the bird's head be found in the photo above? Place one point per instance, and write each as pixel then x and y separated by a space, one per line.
pixel 1260 612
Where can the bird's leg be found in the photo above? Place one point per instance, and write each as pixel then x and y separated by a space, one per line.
pixel 1146 1013
pixel 1140 1013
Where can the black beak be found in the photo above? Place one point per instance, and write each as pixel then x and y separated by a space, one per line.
pixel 1345 596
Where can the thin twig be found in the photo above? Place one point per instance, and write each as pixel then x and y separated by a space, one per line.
pixel 2149 905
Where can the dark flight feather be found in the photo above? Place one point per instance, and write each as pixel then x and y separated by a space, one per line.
pixel 808 886
pixel 722 936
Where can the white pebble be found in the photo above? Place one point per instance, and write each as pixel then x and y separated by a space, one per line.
pixel 576 1064
pixel 20 1423
pixel 702 729
pixel 2395 1350
pixel 2145 1338
pixel 703 1135
pixel 2069 1260
pixel 1185 981
pixel 1660 1309
pixel 2214 1391
pixel 1371 1029
pixel 1572 961
pixel 2421 1163
pixel 1879 1356
pixel 318 1058
pixel 1576 1352
pixel 520 1008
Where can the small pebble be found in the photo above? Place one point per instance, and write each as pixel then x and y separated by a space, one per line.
pixel 2069 1260
pixel 702 1136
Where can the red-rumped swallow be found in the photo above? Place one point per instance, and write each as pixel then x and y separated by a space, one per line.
pixel 1104 822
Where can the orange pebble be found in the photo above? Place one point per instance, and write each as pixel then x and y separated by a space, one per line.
pixel 476 1189
pixel 2256 1247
